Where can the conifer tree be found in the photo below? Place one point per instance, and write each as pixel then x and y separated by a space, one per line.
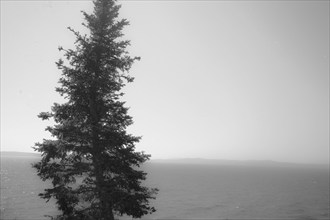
pixel 91 161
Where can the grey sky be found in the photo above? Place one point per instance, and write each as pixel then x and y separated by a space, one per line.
pixel 217 79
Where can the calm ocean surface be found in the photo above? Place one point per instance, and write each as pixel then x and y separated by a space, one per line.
pixel 190 191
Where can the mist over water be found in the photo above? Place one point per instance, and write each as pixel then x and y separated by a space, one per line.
pixel 199 191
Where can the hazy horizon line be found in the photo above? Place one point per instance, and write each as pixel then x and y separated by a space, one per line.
pixel 196 159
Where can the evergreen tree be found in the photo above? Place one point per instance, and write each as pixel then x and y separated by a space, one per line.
pixel 91 161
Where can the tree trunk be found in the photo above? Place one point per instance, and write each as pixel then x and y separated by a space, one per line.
pixel 106 207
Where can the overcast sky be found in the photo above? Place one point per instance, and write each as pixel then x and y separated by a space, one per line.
pixel 217 79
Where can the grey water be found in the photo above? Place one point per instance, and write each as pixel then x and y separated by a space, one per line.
pixel 240 191
pixel 193 191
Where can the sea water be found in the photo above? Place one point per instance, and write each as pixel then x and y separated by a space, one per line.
pixel 192 191
pixel 239 192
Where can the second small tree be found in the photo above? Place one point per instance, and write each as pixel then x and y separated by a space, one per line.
pixel 92 162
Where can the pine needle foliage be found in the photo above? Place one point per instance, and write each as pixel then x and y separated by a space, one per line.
pixel 91 161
